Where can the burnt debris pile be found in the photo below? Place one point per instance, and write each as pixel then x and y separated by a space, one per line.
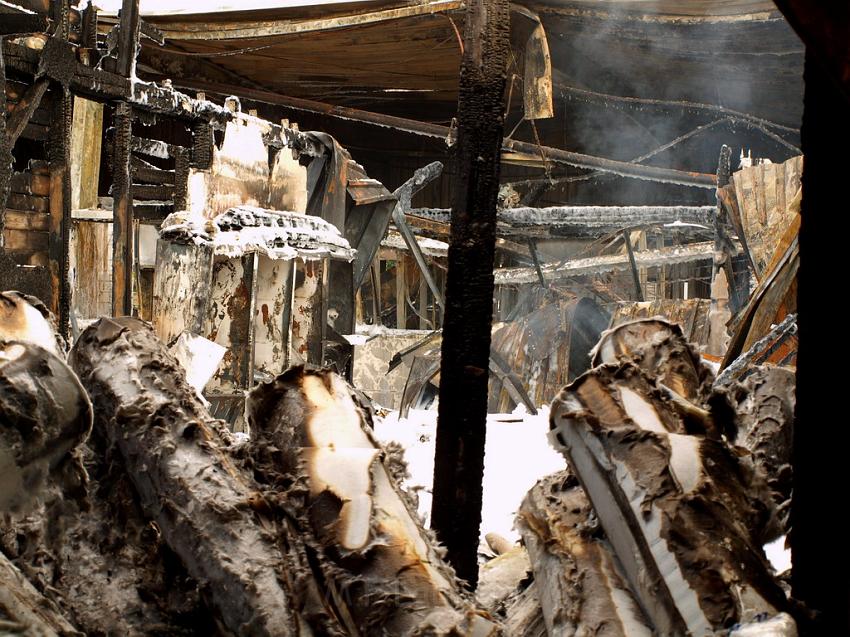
pixel 127 509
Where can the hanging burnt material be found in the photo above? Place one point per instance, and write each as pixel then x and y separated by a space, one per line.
pixel 312 441
pixel 461 426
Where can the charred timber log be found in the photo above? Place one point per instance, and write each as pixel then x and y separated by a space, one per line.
pixel 684 515
pixel 312 437
pixel 187 484
pixel 582 590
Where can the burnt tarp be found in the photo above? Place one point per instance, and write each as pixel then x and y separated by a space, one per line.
pixel 340 191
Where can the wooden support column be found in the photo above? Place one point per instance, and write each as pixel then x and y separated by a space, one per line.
pixel 462 417
pixel 820 449
pixel 123 254
pixel 59 241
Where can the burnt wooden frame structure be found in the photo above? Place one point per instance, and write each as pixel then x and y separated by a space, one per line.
pixel 71 68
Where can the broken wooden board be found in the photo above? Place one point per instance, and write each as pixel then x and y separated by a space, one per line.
pixel 385 573
pixel 767 202
pixel 684 515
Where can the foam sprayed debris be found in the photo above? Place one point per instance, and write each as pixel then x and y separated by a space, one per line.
pixel 274 233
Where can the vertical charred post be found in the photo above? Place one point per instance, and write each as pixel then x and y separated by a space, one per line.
pixel 123 253
pixel 122 213
pixel 461 426
pixel 59 242
pixel 5 152
pixel 819 453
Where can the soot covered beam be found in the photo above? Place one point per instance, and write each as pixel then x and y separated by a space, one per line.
pixel 461 425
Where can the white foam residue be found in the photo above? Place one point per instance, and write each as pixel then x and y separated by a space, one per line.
pixel 517 454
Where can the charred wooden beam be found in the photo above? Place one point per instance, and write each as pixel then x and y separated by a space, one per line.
pixel 5 150
pixel 583 221
pixel 202 503
pixel 15 23
pixel 123 250
pixel 688 253
pixel 382 571
pixel 156 192
pixel 148 173
pixel 635 274
pixel 24 109
pixel 522 152
pixel 59 152
pixel 462 419
pixel 128 38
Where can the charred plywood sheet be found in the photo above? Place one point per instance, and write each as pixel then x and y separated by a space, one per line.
pixel 239 174
pixel 182 287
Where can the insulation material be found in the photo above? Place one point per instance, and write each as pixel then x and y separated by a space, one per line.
pixel 767 202
pixel 384 567
pixel 685 515
pixel 581 588
pixel 239 174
